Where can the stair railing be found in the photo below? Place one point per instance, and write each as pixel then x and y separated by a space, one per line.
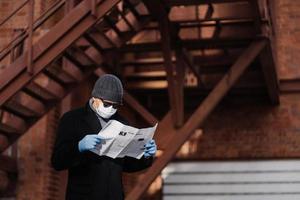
pixel 28 31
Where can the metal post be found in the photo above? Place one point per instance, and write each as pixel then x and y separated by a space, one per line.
pixel 30 34
pixel 93 7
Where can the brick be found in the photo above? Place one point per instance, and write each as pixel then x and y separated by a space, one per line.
pixel 252 131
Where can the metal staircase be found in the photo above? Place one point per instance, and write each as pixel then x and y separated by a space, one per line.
pixel 226 45
pixel 47 70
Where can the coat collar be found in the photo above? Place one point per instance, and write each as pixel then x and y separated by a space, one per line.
pixel 91 119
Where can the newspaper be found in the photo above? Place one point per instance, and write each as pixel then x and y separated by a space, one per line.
pixel 119 140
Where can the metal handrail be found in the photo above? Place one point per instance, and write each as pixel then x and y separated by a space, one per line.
pixel 38 22
pixel 13 13
pixel 30 35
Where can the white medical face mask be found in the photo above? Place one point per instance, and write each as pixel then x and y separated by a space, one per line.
pixel 105 112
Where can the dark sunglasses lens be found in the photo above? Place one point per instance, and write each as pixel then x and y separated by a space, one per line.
pixel 107 104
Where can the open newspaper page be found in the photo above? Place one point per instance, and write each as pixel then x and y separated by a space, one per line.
pixel 120 140
pixel 135 148
pixel 108 134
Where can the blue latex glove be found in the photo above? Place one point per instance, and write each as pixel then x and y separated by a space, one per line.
pixel 150 149
pixel 89 142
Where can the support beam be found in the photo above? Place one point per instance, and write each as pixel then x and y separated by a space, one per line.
pixel 168 35
pixel 191 64
pixel 198 117
pixel 140 109
pixel 270 73
pixel 256 15
pixel 180 69
pixel 192 44
pixel 165 131
pixel 266 57
pixel 172 75
pixel 198 2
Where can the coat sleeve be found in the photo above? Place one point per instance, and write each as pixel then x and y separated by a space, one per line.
pixel 133 165
pixel 66 153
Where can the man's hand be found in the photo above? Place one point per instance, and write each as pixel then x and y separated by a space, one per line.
pixel 89 142
pixel 150 149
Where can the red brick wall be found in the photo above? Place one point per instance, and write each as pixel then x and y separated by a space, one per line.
pixel 288 37
pixel 250 131
pixel 36 176
pixel 31 162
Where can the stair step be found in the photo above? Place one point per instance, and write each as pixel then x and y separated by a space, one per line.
pixel 39 92
pixel 147 75
pixel 132 8
pixel 103 26
pixel 78 58
pixel 12 126
pixel 72 69
pixel 111 36
pixel 126 20
pixel 94 43
pixel 113 26
pixel 137 23
pixel 119 32
pixel 82 43
pixel 101 39
pixel 25 107
pixel 8 130
pixel 56 73
pixel 44 89
pixel 114 37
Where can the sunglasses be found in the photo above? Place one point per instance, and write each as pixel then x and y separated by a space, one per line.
pixel 108 104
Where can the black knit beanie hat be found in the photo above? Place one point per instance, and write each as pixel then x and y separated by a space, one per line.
pixel 108 87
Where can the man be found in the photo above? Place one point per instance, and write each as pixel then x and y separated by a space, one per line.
pixel 94 177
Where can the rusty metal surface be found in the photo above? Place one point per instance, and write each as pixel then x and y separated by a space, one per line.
pixel 30 36
pixel 75 23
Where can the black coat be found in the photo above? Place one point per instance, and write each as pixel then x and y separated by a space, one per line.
pixel 91 177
